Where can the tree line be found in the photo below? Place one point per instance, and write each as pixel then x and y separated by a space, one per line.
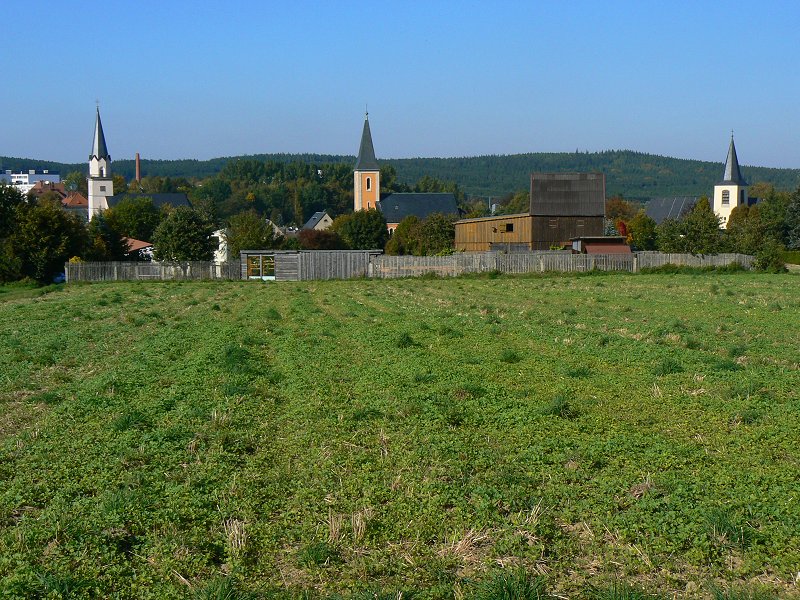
pixel 635 175
pixel 250 200
pixel 765 230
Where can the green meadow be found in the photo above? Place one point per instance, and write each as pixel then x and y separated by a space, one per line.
pixel 606 436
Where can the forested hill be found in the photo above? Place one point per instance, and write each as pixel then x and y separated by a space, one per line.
pixel 633 174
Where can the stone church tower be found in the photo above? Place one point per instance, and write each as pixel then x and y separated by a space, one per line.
pixel 367 173
pixel 101 185
pixel 732 190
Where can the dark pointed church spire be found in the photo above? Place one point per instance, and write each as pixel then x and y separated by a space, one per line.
pixel 732 172
pixel 99 149
pixel 366 160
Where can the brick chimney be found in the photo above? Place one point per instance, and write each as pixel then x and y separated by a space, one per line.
pixel 138 169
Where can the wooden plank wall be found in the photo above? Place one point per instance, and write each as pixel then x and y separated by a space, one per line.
pixel 480 235
pixel 343 264
pixel 659 259
pixel 335 264
pixel 137 271
pixel 541 262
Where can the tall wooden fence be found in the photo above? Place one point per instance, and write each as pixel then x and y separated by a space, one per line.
pixel 659 259
pixel 541 262
pixel 324 264
pixel 133 271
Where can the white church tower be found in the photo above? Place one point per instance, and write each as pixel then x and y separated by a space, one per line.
pixel 101 185
pixel 732 190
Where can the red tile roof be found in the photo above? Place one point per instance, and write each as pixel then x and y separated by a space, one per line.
pixel 136 245
pixel 75 200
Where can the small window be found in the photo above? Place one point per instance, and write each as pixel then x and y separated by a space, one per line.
pixel 369 183
pixel 553 223
pixel 726 197
pixel 509 227
pixel 102 188
pixel 741 197
pixel 580 223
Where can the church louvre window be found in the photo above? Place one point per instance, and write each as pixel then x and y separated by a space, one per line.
pixel 741 197
pixel 726 197
pixel 369 184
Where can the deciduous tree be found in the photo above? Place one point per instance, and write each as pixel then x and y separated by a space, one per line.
pixel 183 236
pixel 311 239
pixel 642 231
pixel 248 231
pixel 44 238
pixel 103 241
pixel 362 230
pixel 793 221
pixel 134 217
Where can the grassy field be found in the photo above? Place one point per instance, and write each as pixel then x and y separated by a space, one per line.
pixel 439 438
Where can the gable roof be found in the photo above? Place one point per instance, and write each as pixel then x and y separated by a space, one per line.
pixel 159 200
pixel 733 173
pixel 398 206
pixel 75 200
pixel 568 194
pixel 42 187
pixel 315 219
pixel 366 160
pixel 99 148
pixel 135 245
pixel 661 209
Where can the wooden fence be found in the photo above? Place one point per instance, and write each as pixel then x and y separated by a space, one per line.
pixel 542 262
pixel 340 264
pixel 133 271
pixel 659 259
pixel 307 264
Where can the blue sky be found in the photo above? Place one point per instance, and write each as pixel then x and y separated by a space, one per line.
pixel 203 79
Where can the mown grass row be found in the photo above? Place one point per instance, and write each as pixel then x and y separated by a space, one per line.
pixel 425 436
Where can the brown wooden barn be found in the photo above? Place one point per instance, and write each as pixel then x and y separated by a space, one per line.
pixel 562 206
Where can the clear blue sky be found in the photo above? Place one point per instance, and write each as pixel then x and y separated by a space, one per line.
pixel 179 79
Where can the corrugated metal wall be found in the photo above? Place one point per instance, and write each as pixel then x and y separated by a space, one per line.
pixel 557 230
pixel 568 194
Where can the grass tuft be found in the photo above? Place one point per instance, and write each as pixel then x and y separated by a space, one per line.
pixel 725 531
pixel 405 340
pixel 318 554
pixel 620 591
pixel 514 585
pixel 579 372
pixel 559 407
pixel 740 593
pixel 667 366
pixel 219 588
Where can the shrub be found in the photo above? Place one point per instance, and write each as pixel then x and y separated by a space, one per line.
pixel 770 258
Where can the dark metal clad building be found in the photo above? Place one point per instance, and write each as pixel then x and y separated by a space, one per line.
pixel 568 194
pixel 562 206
